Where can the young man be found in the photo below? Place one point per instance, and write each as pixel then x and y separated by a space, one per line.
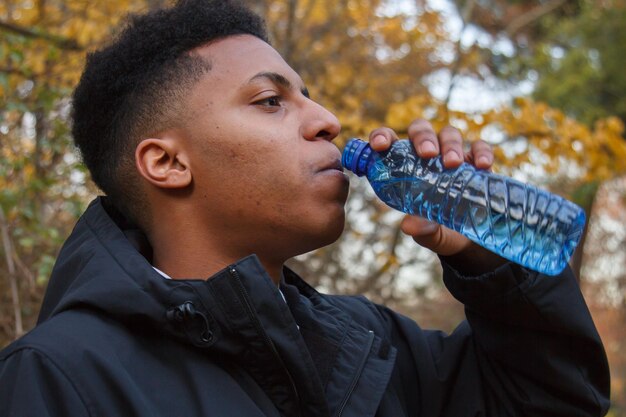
pixel 170 297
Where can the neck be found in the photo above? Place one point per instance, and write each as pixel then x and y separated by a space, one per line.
pixel 182 254
pixel 189 241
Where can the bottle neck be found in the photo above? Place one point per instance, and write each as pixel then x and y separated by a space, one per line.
pixel 356 156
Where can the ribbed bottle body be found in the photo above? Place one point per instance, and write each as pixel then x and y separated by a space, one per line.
pixel 517 221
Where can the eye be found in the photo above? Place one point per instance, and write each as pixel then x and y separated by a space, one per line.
pixel 273 101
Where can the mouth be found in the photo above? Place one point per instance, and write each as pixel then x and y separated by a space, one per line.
pixel 334 170
pixel 334 165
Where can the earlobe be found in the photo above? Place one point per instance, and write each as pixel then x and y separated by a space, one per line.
pixel 162 162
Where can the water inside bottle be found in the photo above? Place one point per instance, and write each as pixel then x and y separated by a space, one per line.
pixel 526 225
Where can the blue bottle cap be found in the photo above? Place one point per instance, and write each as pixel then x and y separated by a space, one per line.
pixel 355 156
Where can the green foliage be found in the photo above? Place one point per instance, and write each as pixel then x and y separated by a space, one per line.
pixel 572 50
pixel 581 64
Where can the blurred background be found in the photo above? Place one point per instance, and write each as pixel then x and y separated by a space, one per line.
pixel 544 81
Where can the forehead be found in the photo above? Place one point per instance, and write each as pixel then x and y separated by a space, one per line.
pixel 237 59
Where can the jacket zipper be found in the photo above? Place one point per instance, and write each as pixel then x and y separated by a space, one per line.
pixel 243 295
pixel 357 375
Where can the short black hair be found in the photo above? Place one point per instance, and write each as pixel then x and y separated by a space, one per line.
pixel 134 87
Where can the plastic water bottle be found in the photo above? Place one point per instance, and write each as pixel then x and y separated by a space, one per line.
pixel 519 222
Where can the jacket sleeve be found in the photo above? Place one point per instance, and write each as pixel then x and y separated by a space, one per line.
pixel 31 385
pixel 528 348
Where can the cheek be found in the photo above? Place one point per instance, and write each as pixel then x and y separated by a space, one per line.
pixel 258 171
pixel 261 184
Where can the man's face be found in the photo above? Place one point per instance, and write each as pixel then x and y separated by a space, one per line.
pixel 265 173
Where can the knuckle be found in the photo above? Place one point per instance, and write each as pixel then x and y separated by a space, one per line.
pixel 481 146
pixel 420 121
pixel 451 132
pixel 420 126
pixel 375 133
pixel 423 134
pixel 385 131
pixel 451 141
pixel 450 129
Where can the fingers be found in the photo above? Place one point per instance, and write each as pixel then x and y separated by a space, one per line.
pixel 428 144
pixel 416 226
pixel 451 142
pixel 380 139
pixel 480 155
pixel 424 138
pixel 439 239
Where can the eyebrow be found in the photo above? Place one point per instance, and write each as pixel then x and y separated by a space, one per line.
pixel 278 79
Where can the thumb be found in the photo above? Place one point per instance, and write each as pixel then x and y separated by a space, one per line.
pixel 433 236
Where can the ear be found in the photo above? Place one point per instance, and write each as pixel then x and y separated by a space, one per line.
pixel 163 162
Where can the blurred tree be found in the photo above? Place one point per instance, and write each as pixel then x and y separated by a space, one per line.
pixel 605 272
pixel 582 70
pixel 42 183
pixel 571 49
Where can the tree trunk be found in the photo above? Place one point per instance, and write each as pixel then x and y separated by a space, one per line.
pixel 15 296
pixel 586 198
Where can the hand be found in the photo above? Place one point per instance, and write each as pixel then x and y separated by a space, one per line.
pixel 428 144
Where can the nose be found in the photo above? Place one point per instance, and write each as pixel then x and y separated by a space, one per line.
pixel 319 123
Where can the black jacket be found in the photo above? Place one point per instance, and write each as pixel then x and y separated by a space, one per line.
pixel 117 339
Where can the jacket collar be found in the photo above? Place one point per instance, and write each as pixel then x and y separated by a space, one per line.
pixel 237 315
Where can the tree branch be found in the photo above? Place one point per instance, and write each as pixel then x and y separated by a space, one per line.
pixel 9 70
pixel 527 18
pixel 289 41
pixel 59 41
pixel 369 281
pixel 27 273
pixel 466 15
pixel 8 252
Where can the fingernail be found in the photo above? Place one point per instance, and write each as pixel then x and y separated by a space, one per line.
pixel 379 140
pixel 427 148
pixel 483 160
pixel 451 156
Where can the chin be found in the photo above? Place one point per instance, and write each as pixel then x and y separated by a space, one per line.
pixel 314 228
pixel 325 234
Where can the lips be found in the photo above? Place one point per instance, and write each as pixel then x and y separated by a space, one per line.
pixel 334 170
pixel 333 165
